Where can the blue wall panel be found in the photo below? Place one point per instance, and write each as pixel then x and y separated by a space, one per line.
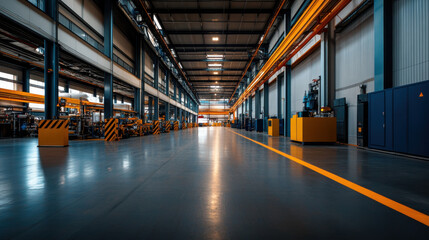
pixel 376 119
pixel 418 134
pixel 400 116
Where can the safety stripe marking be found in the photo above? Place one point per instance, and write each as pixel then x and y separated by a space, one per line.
pixel 42 123
pixel 53 125
pixel 49 123
pixel 61 123
pixel 407 211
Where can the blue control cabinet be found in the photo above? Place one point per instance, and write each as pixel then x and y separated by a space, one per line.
pixel 398 119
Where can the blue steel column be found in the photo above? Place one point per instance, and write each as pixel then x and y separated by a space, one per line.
pixel 138 72
pixel 266 107
pixel 279 96
pixel 51 65
pixel 142 83
pixel 287 77
pixel 327 82
pixel 257 104
pixel 156 108
pixel 26 82
pixel 108 51
pixel 383 44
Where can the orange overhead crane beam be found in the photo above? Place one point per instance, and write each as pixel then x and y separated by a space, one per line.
pixel 25 97
pixel 317 15
pixel 214 113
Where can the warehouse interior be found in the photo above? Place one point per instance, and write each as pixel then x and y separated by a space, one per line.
pixel 200 119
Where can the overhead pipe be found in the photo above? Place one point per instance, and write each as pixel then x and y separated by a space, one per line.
pixel 259 45
pixel 292 43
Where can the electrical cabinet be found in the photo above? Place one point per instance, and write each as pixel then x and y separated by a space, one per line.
pixel 273 127
pixel 398 119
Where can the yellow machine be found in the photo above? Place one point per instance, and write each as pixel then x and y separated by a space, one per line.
pixel 53 133
pixel 313 129
pixel 273 127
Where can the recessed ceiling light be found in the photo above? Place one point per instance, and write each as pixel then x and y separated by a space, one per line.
pixel 215 65
pixel 216 73
pixel 215 94
pixel 216 82
pixel 215 38
pixel 214 56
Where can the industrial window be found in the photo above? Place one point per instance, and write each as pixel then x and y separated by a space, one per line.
pixel 37 87
pixel 162 80
pixel 171 88
pixel 149 69
pixel 7 81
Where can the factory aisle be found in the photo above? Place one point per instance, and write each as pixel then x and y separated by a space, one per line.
pixel 204 183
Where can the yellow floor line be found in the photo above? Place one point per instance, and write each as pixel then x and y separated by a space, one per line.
pixel 416 215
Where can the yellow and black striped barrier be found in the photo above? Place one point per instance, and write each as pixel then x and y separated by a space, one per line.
pixel 176 125
pixel 167 126
pixel 155 127
pixel 189 125
pixel 53 133
pixel 195 124
pixel 183 125
pixel 111 130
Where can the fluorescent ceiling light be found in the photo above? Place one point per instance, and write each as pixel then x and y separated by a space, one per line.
pixel 155 19
pixel 215 65
pixel 215 38
pixel 214 56
pixel 216 73
pixel 215 59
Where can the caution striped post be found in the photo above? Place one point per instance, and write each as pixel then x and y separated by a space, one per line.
pixel 155 127
pixel 183 125
pixel 176 125
pixel 111 130
pixel 167 126
pixel 53 133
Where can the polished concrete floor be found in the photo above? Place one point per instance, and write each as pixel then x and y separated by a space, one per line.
pixel 205 183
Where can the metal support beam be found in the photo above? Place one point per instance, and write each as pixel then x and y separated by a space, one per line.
pixel 287 77
pixel 212 11
pixel 279 82
pixel 108 51
pixel 219 32
pixel 155 108
pixel 137 101
pixel 150 106
pixel 156 73
pixel 258 104
pixel 327 83
pixel 26 80
pixel 266 107
pixel 383 65
pixel 167 111
pixel 141 59
pixel 51 65
pixel 51 79
pixel 214 60
pixel 250 109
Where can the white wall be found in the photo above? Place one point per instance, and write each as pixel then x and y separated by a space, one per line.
pixel 272 98
pixel 410 41
pixel 88 11
pixel 253 107
pixel 302 75
pixel 354 65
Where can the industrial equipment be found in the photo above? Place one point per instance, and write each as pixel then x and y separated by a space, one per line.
pixel 311 99
pixel 315 124
pixel 273 127
pixel 340 109
pixel 362 120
